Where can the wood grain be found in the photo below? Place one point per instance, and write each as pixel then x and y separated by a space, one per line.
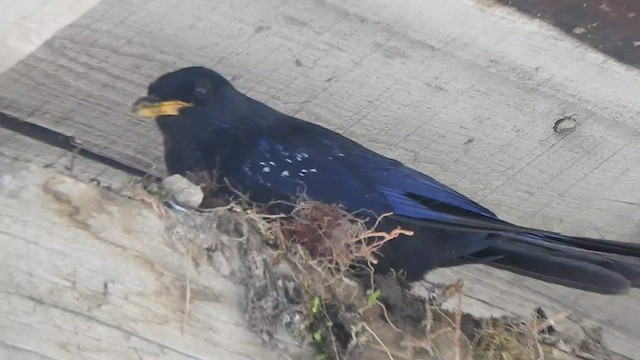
pixel 89 274
pixel 467 92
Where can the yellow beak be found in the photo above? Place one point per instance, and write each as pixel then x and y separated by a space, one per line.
pixel 149 108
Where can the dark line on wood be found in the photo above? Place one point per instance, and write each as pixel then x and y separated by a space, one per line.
pixel 17 348
pixel 65 142
pixel 106 324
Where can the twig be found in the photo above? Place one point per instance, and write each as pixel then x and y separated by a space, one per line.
pixel 439 332
pixel 230 206
pixel 386 236
pixel 550 321
pixel 277 216
pixel 456 337
pixel 329 328
pixel 379 219
pixel 535 329
pixel 187 293
pixel 241 195
pixel 536 342
pixel 378 339
pixel 386 316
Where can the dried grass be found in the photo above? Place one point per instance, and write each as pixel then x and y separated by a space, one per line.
pixel 324 243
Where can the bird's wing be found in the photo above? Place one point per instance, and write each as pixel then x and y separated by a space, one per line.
pixel 300 161
pixel 432 194
pixel 303 157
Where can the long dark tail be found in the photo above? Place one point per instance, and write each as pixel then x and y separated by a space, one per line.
pixel 602 266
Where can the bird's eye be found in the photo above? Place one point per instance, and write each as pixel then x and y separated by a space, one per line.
pixel 202 88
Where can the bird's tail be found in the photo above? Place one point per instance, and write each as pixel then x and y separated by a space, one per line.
pixel 602 266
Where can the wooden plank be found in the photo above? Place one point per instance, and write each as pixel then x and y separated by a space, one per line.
pixel 472 102
pixel 25 25
pixel 89 274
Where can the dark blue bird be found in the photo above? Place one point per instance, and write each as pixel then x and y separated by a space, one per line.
pixel 207 124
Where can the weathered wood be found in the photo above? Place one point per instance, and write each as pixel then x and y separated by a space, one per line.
pixel 89 274
pixel 25 25
pixel 466 92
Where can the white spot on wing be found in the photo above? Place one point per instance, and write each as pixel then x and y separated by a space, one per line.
pixel 266 169
pixel 289 161
pixel 272 163
pixel 284 173
pixel 313 170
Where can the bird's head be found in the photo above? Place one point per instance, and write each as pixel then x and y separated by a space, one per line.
pixel 190 86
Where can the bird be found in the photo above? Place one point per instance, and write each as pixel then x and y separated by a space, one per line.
pixel 207 124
